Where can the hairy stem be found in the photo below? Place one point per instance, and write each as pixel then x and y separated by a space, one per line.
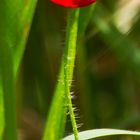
pixel 69 59
pixel 57 115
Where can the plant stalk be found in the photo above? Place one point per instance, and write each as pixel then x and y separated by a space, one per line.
pixel 69 59
pixel 57 115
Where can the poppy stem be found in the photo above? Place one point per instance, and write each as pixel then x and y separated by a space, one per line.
pixel 69 60
pixel 55 123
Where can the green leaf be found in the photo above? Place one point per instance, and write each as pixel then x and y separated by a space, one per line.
pixel 96 133
pixel 8 91
pixel 15 22
pixel 1 111
pixel 26 10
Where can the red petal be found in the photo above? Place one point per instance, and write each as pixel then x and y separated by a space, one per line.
pixel 73 3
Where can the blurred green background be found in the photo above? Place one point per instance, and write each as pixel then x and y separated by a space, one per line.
pixel 106 83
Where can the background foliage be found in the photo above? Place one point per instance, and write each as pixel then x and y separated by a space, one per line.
pixel 107 69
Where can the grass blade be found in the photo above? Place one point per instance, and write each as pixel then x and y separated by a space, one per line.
pixel 96 133
pixel 1 110
pixel 14 27
pixel 7 77
pixel 27 9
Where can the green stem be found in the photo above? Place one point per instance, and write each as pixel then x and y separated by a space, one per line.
pixel 57 115
pixel 69 59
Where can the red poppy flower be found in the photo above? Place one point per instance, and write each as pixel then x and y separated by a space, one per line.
pixel 73 3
